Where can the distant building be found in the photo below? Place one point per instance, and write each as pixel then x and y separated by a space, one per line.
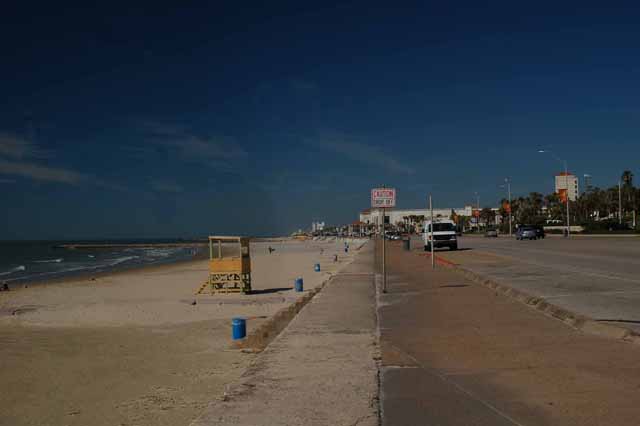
pixel 395 216
pixel 317 226
pixel 588 187
pixel 567 183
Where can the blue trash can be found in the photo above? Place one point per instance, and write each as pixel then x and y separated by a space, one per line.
pixel 239 328
pixel 317 267
pixel 299 284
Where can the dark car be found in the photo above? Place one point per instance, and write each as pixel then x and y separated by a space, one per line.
pixel 491 232
pixel 526 233
pixel 540 232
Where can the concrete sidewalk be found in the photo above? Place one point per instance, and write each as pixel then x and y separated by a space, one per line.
pixel 456 353
pixel 320 370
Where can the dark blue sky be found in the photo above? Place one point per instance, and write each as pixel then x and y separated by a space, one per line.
pixel 153 120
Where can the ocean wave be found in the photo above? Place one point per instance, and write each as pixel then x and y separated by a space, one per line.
pixel 160 252
pixel 13 270
pixel 122 259
pixel 76 268
pixel 60 272
pixel 59 260
pixel 69 269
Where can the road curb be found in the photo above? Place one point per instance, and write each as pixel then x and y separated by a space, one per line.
pixel 573 319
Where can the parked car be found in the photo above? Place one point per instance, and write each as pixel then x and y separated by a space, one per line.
pixel 540 232
pixel 526 233
pixel 491 232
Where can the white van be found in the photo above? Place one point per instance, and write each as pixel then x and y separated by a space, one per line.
pixel 444 234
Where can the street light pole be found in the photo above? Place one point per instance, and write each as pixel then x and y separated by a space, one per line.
pixel 507 185
pixel 566 184
pixel 478 209
pixel 433 259
pixel 508 182
pixel 619 202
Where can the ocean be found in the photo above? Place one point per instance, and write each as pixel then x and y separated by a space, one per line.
pixel 33 261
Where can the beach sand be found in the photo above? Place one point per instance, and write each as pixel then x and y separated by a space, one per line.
pixel 131 348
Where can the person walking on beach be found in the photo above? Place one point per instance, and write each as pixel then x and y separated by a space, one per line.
pixel 271 249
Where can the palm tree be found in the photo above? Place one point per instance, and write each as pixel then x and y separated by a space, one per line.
pixel 463 222
pixel 488 215
pixel 628 192
pixel 555 209
pixel 536 202
pixel 611 197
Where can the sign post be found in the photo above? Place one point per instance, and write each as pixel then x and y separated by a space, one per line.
pixel 383 198
pixel 384 252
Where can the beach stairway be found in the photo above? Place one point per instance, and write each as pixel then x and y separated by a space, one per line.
pixel 226 283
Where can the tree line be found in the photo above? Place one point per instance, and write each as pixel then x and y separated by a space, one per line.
pixel 611 208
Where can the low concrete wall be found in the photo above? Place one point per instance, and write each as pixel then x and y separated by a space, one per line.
pixel 560 228
pixel 258 340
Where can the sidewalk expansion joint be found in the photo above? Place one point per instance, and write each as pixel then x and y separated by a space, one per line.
pixel 397 367
pixel 447 379
pixel 355 274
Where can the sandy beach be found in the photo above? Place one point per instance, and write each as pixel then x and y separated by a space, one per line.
pixel 132 348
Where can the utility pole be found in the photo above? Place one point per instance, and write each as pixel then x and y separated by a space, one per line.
pixel 433 259
pixel 620 202
pixel 566 184
pixel 509 191
pixel 478 208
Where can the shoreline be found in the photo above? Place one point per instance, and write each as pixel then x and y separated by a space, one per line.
pixel 74 278
pixel 62 277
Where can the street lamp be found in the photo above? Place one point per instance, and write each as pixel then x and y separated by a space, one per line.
pixel 507 184
pixel 478 210
pixel 619 201
pixel 566 182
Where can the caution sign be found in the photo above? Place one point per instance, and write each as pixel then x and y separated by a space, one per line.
pixel 383 198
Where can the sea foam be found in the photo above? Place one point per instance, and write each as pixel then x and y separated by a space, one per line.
pixel 13 270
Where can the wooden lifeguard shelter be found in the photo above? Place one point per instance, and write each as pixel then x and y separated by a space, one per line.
pixel 229 266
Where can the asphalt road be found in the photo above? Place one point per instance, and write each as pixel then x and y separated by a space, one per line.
pixel 596 277
pixel 455 354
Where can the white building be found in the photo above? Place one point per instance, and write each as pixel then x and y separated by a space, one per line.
pixel 567 180
pixel 317 226
pixel 394 216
